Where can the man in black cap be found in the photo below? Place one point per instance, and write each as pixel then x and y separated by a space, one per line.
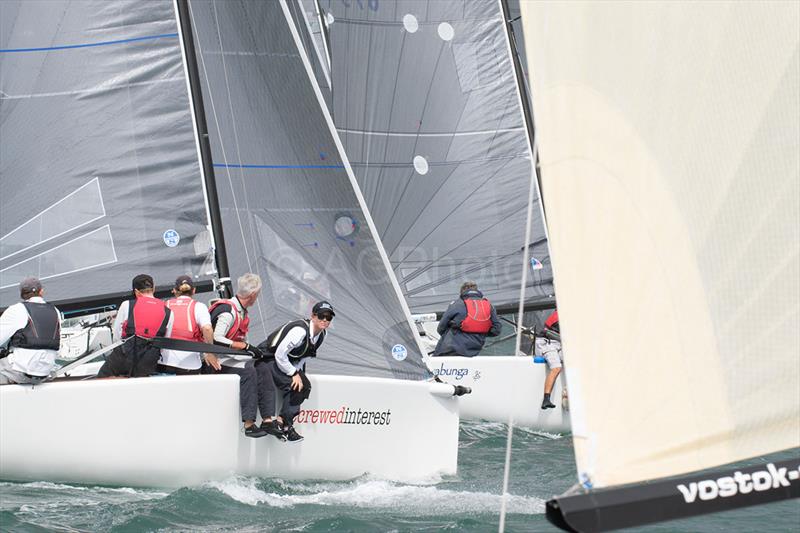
pixel 30 333
pixel 143 317
pixel 285 353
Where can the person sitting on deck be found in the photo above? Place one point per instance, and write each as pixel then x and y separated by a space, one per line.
pixel 285 353
pixel 466 323
pixel 550 347
pixel 30 334
pixel 230 322
pixel 192 322
pixel 142 317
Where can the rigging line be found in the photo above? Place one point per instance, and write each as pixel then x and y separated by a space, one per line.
pixel 453 210
pixel 219 131
pixel 432 134
pixel 525 256
pixel 87 45
pixel 416 140
pixel 237 144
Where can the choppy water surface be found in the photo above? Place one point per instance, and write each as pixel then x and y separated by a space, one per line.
pixel 542 465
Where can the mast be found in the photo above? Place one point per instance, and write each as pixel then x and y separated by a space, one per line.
pixel 204 147
pixel 523 95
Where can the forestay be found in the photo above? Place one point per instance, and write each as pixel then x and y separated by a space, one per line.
pixel 98 159
pixel 289 209
pixel 426 103
pixel 669 142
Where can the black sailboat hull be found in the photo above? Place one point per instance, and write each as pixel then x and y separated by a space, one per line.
pixel 670 499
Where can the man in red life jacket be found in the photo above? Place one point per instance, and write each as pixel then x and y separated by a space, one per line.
pixel 466 323
pixel 143 317
pixel 549 345
pixel 191 322
pixel 230 322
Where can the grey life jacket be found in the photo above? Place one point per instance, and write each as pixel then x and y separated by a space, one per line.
pixel 306 349
pixel 43 330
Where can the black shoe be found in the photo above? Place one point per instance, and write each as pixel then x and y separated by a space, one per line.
pixel 254 431
pixel 292 435
pixel 547 404
pixel 274 428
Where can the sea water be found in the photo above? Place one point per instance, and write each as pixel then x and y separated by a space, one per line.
pixel 542 465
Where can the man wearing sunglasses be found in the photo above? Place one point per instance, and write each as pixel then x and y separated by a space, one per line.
pixel 286 351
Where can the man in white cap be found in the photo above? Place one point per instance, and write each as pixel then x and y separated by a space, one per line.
pixel 30 334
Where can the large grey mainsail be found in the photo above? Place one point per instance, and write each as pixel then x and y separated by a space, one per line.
pixel 98 159
pixel 425 100
pixel 288 207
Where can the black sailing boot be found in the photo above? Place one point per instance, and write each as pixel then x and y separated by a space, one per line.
pixel 546 403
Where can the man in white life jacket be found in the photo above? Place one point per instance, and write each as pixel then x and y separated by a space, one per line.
pixel 30 333
pixel 191 322
pixel 467 322
pixel 286 351
pixel 549 345
pixel 142 317
pixel 230 322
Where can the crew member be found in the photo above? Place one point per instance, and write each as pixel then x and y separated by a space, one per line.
pixel 191 322
pixel 230 322
pixel 30 333
pixel 466 323
pixel 286 351
pixel 550 347
pixel 138 320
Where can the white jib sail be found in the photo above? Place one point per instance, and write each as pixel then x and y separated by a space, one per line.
pixel 669 137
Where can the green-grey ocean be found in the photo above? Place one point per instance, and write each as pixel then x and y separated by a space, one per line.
pixel 542 465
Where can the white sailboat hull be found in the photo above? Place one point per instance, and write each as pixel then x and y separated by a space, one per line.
pixel 179 431
pixel 504 386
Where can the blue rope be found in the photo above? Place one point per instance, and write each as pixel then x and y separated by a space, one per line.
pixel 103 43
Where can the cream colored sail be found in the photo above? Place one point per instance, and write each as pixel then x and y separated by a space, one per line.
pixel 669 140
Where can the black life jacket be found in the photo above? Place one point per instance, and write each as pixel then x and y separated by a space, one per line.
pixel 307 349
pixel 43 330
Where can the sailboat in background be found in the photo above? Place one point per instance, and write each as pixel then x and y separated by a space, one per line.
pixel 429 110
pixel 670 160
pixel 117 199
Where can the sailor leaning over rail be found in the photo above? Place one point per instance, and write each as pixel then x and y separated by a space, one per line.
pixel 192 322
pixel 230 321
pixel 30 333
pixel 285 353
pixel 142 317
pixel 549 345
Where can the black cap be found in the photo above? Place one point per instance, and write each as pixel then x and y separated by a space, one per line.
pixel 184 280
pixel 143 282
pixel 321 307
